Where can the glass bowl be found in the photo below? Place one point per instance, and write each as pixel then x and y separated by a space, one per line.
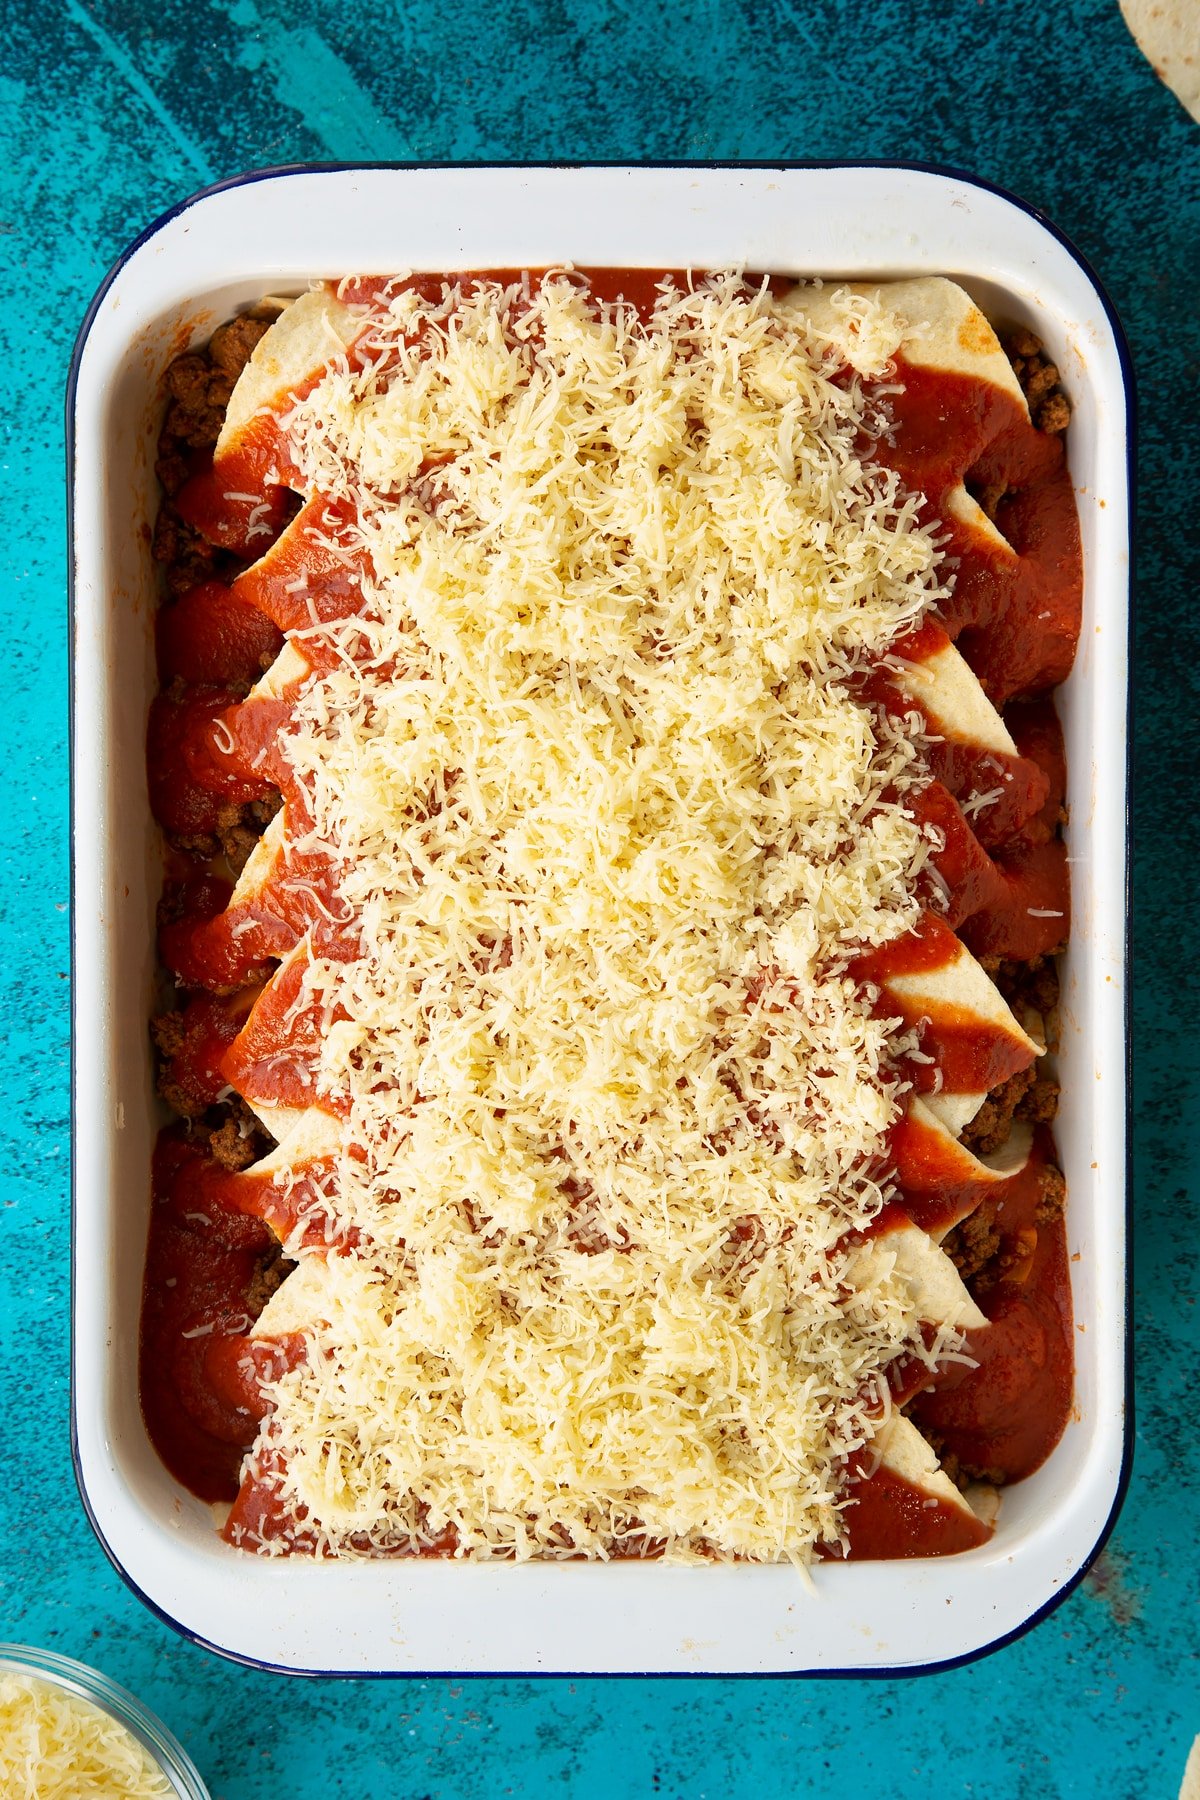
pixel 89 1684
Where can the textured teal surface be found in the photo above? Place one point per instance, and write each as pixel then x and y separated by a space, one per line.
pixel 108 114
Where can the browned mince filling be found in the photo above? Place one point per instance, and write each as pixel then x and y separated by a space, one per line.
pixel 978 1252
pixel 1041 385
pixel 1030 988
pixel 975 1245
pixel 268 1276
pixel 1048 405
pixel 199 385
pixel 238 830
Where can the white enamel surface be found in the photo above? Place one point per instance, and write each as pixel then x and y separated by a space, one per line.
pixel 229 248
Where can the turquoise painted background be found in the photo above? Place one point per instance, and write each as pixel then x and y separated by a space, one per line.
pixel 109 113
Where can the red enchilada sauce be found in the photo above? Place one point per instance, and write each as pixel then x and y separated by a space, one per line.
pixel 1014 613
pixel 1005 1415
pixel 202 1264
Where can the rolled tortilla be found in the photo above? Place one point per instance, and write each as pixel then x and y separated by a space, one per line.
pixel 954 997
pixel 941 1182
pixel 944 329
pixel 947 690
pixel 303 340
pixel 935 1285
pixel 1167 33
pixel 276 1052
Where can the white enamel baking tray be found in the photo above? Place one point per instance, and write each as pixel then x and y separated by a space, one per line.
pixel 271 233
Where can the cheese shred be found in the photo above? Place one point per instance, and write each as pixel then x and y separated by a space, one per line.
pixel 610 821
pixel 56 1746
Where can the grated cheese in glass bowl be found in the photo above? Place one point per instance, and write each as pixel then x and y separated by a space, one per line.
pixel 66 1731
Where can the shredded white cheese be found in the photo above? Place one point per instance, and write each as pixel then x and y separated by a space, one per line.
pixel 976 803
pixel 56 1746
pixel 610 825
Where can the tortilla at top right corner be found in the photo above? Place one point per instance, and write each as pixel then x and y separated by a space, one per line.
pixel 1168 34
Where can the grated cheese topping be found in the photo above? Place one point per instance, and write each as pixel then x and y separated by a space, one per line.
pixel 56 1746
pixel 611 825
